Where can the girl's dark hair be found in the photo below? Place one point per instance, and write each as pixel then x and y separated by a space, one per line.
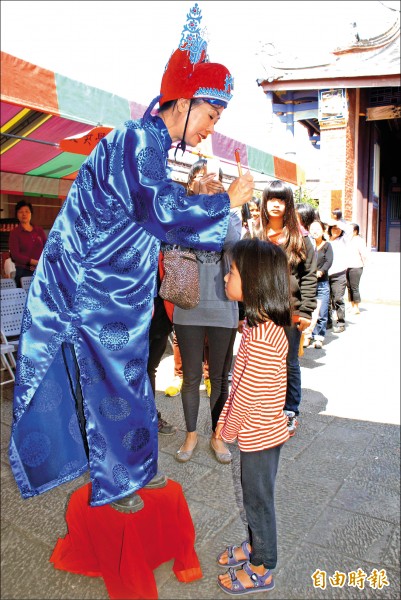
pixel 355 227
pixel 331 227
pixel 265 278
pixel 21 204
pixel 306 214
pixel 294 244
pixel 255 201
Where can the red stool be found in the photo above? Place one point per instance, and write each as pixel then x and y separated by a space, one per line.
pixel 124 549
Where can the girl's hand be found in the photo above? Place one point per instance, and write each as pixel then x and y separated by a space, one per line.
pixel 241 325
pixel 217 433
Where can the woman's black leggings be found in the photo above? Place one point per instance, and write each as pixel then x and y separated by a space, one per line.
pixel 221 343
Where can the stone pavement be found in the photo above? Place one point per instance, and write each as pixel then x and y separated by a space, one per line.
pixel 337 494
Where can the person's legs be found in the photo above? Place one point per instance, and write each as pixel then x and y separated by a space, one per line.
pixel 323 295
pixel 338 284
pixel 221 344
pixel 157 348
pixel 191 340
pixel 21 272
pixel 258 476
pixel 177 357
pixel 175 387
pixel 308 332
pixel 353 280
pixel 293 396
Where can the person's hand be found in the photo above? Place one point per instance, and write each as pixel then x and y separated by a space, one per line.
pixel 205 181
pixel 215 187
pixel 241 325
pixel 241 190
pixel 217 433
pixel 303 323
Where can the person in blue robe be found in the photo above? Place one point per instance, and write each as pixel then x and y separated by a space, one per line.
pixel 82 396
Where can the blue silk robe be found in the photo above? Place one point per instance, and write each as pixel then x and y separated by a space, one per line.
pixel 88 315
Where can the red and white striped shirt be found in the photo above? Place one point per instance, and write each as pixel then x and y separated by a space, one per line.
pixel 253 413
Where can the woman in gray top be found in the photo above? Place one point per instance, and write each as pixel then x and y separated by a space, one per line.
pixel 217 318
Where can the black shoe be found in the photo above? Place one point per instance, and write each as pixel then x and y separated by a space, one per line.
pixel 130 504
pixel 165 428
pixel 158 481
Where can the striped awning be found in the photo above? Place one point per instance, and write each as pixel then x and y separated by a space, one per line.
pixel 50 123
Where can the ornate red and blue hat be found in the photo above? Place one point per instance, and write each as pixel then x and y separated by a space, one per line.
pixel 189 74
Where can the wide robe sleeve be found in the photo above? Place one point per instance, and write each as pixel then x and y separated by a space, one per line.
pixel 128 170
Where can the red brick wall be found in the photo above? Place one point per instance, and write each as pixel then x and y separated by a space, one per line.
pixel 337 147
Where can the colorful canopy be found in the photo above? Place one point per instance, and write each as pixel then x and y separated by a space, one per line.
pixel 63 119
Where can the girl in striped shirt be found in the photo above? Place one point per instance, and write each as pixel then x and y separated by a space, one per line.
pixel 253 413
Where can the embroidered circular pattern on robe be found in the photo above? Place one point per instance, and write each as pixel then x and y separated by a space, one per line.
pixel 114 408
pixel 26 320
pixel 216 206
pixel 115 155
pixel 134 370
pixel 68 468
pixel 92 296
pixel 136 440
pixel 169 199
pixel 25 370
pixel 86 177
pixel 47 397
pixel 98 447
pixel 96 490
pixel 121 477
pixel 35 449
pixel 183 236
pixel 91 370
pixel 74 430
pixel 140 298
pixel 114 336
pixel 85 226
pixel 54 247
pixel 150 164
pixel 57 297
pixel 125 260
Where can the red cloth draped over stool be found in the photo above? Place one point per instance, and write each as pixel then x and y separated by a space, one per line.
pixel 125 548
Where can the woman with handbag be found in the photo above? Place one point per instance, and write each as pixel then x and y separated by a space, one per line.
pixel 215 318
pixel 81 379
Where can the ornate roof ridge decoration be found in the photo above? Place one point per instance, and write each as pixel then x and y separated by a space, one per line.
pixel 370 43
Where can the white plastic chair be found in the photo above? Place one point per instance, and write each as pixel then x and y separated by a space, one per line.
pixel 6 351
pixel 12 310
pixel 7 283
pixel 26 282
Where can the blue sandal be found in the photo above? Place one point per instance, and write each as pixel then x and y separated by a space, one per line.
pixel 259 582
pixel 232 562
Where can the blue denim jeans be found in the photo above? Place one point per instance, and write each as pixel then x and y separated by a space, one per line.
pixel 258 478
pixel 323 294
pixel 293 396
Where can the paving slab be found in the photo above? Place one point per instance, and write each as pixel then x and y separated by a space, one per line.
pixel 337 489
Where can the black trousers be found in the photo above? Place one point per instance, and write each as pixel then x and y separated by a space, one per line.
pixel 338 285
pixel 191 342
pixel 353 278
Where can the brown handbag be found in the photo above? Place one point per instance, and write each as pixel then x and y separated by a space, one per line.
pixel 180 284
